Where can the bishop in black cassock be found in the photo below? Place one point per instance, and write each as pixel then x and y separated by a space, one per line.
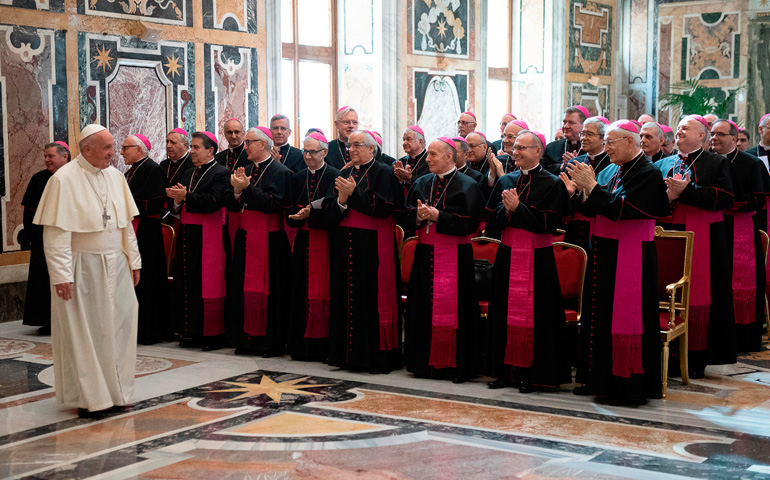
pixel 620 340
pixel 37 303
pixel 559 152
pixel 260 278
pixel 442 312
pixel 201 246
pixel 364 326
pixel 311 288
pixel 148 187
pixel 700 187
pixel 528 342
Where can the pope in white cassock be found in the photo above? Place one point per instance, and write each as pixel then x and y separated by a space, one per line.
pixel 92 255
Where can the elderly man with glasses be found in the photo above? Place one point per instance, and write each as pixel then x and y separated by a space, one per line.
pixel 364 324
pixel 310 292
pixel 259 278
pixel 345 122
pixel 620 342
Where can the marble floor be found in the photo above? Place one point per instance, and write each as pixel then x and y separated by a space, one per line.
pixel 217 415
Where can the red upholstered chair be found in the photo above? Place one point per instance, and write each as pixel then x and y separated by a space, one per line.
pixel 571 262
pixel 763 234
pixel 674 268
pixel 168 245
pixel 407 258
pixel 484 248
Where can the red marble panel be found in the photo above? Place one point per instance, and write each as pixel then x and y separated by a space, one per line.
pixel 664 65
pixel 138 104
pixel 231 83
pixel 26 109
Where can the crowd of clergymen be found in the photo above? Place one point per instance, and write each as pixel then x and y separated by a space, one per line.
pixel 334 295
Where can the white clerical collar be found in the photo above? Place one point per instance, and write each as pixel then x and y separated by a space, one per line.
pixel 364 165
pixel 87 166
pixel 281 146
pixel 312 172
pixel 527 172
pixel 442 175
pixel 263 161
pixel 212 159
pixel 764 146
pixel 233 149
pixel 690 153
pixel 591 157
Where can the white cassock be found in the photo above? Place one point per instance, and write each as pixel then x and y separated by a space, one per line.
pixel 89 240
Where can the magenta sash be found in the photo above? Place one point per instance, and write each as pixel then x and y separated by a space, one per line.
pixel 386 272
pixel 212 268
pixel 627 324
pixel 697 220
pixel 318 283
pixel 444 294
pixel 521 317
pixel 744 268
pixel 256 285
pixel 233 220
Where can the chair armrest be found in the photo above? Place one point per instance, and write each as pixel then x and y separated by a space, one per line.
pixel 673 287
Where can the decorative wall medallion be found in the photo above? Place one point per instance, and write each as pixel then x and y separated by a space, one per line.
pixel 440 27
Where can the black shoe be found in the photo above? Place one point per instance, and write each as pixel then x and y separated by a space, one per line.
pixel 211 345
pixel 375 371
pixel 120 408
pixel 98 414
pixel 500 383
pixel 458 380
pixel 189 343
pixel 272 352
pixel 245 351
pixel 526 387
pixel 44 331
pixel 697 373
pixel 582 390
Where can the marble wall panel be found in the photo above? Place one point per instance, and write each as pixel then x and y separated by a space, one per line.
pixel 595 99
pixel 637 103
pixel 133 90
pixel 103 57
pixel 532 103
pixel 439 98
pixel 43 5
pixel 33 101
pixel 711 42
pixel 590 37
pixel 169 12
pixel 358 27
pixel 441 27
pixel 231 86
pixel 637 68
pixel 360 89
pixel 665 57
pixel 531 44
pixel 232 15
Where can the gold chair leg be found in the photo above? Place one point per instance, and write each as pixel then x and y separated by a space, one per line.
pixel 664 368
pixel 684 364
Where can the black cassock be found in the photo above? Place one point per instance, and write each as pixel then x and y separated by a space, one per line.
pixel 419 167
pixel 361 335
pixel 385 158
pixel 543 202
pixel 307 187
pixel 37 303
pixel 461 208
pixel 233 158
pixel 338 154
pixel 267 195
pixel 635 195
pixel 750 182
pixel 148 187
pixel 291 157
pixel 207 188
pixel 711 331
pixel 173 171
pixel 552 161
pixel 577 230
pixel 481 180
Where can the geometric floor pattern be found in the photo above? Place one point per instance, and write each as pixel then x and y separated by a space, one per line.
pixel 217 415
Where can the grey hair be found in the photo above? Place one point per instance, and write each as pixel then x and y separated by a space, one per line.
pixel 279 116
pixel 534 135
pixel 60 150
pixel 600 126
pixel 184 138
pixel 625 133
pixel 139 144
pixel 462 146
pixel 658 131
pixel 764 121
pixel 417 135
pixel 261 136
pixel 342 112
pixel 369 140
pixel 669 136
pixel 733 130
pixel 322 145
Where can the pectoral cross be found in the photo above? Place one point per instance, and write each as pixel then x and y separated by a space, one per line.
pixel 427 227
pixel 105 217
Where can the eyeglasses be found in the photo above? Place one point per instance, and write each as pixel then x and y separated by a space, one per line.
pixel 463 122
pixel 523 147
pixel 311 152
pixel 233 132
pixel 128 146
pixel 611 143
pixel 721 134
pixel 357 145
pixel 349 122
pixel 585 134
pixel 246 143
